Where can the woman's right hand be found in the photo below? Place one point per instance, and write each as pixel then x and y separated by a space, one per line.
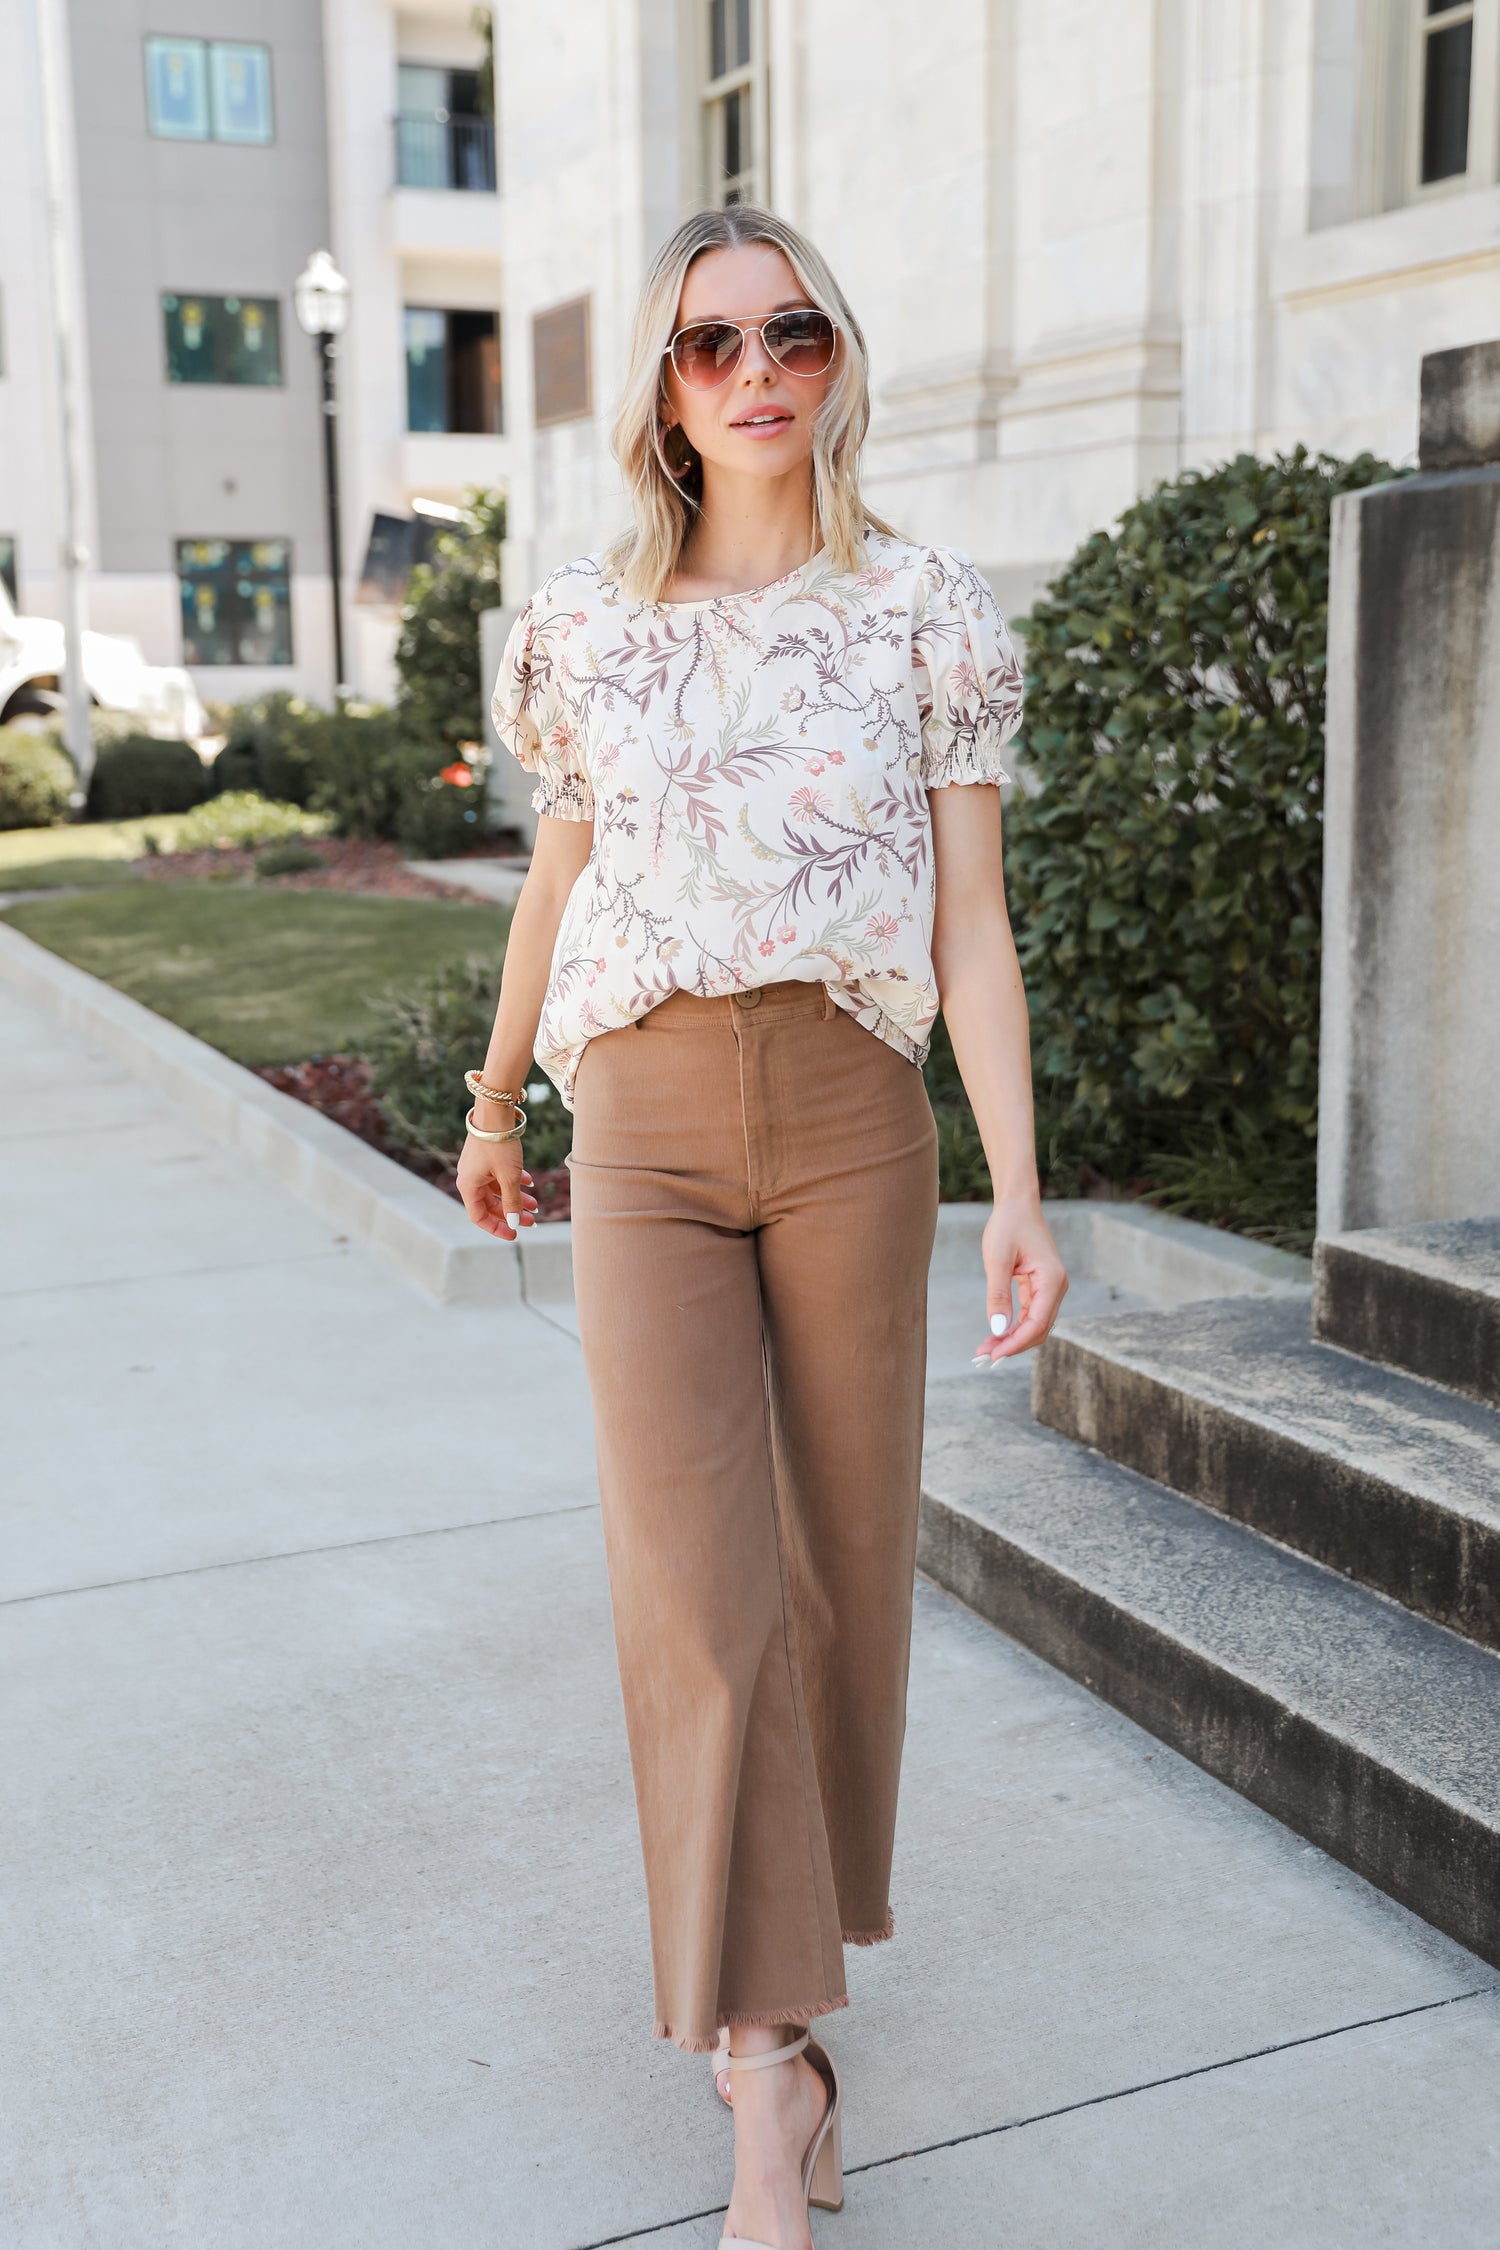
pixel 495 1187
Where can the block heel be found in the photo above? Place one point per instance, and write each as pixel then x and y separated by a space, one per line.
pixel 823 2162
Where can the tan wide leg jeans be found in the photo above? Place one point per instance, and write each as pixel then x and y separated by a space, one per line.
pixel 754 1186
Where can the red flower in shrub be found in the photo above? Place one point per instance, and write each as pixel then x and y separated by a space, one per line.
pixel 461 776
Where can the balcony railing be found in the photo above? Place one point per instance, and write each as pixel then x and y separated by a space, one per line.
pixel 446 152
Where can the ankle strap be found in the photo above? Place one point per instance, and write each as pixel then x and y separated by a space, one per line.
pixel 771 2055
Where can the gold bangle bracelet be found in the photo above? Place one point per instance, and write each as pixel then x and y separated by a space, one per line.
pixel 482 1093
pixel 477 1132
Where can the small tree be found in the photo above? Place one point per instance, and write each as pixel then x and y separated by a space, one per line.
pixel 437 655
pixel 1166 875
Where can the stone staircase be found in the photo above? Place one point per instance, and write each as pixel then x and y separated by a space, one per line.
pixel 1280 1551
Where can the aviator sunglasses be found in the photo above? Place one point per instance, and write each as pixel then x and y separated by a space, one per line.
pixel 707 353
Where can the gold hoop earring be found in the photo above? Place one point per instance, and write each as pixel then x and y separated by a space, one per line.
pixel 670 441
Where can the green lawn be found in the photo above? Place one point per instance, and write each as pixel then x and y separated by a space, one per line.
pixel 92 851
pixel 265 977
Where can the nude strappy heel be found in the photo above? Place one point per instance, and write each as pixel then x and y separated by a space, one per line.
pixel 823 2164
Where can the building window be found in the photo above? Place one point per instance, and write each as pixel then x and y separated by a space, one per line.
pixel 561 383
pixel 236 600
pixel 240 87
pixel 1446 75
pixel 209 90
pixel 734 103
pixel 222 339
pixel 8 570
pixel 452 371
pixel 443 140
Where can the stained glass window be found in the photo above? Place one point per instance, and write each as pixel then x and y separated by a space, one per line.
pixel 222 339
pixel 240 77
pixel 177 89
pixel 208 89
pixel 236 600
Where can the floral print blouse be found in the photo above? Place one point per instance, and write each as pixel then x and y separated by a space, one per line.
pixel 756 768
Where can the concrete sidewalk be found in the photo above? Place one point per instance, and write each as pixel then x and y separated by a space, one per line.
pixel 322 1914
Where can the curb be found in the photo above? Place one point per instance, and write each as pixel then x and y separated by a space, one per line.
pixel 421 1234
pixel 409 1226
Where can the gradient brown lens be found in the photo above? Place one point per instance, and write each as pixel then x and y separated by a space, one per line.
pixel 801 342
pixel 706 355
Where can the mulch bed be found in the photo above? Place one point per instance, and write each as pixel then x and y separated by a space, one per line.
pixel 338 1087
pixel 348 865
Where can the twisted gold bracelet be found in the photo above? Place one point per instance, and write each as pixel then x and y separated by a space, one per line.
pixel 478 1133
pixel 481 1092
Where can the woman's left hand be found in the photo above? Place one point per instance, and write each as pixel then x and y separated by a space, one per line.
pixel 1018 1248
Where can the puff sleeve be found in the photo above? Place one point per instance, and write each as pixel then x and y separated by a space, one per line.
pixel 968 678
pixel 533 721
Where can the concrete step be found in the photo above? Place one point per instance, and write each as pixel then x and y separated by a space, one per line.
pixel 1370 1731
pixel 1383 1477
pixel 1423 1298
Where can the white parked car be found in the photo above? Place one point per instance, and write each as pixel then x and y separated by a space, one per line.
pixel 160 697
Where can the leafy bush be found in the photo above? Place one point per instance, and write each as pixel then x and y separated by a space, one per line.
pixel 437 655
pixel 370 771
pixel 361 764
pixel 293 857
pixel 36 780
pixel 140 775
pixel 1165 879
pixel 963 1175
pixel 428 1034
pixel 441 814
pixel 266 748
pixel 240 819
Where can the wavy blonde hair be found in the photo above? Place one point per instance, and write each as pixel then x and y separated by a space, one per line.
pixel 645 557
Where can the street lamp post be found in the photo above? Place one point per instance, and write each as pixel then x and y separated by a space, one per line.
pixel 321 296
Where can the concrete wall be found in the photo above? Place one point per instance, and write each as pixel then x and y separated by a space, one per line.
pixel 1411 1024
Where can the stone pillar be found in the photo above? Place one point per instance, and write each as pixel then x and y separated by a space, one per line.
pixel 1410 1100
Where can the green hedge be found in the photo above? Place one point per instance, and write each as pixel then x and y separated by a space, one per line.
pixel 427 1035
pixel 36 780
pixel 1164 860
pixel 370 771
pixel 139 775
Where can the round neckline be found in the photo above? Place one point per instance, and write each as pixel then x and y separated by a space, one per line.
pixel 746 593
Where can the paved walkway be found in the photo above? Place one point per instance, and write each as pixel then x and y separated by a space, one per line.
pixel 322 1917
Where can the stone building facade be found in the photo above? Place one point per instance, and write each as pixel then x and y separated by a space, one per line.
pixel 1091 241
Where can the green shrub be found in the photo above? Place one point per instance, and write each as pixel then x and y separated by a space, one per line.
pixel 240 819
pixel 266 749
pixel 437 655
pixel 427 1036
pixel 963 1175
pixel 1165 879
pixel 294 857
pixel 139 775
pixel 36 780
pixel 437 818
pixel 360 764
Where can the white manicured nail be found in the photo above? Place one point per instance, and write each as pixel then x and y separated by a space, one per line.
pixel 999 1322
pixel 513 1219
pixel 996 1362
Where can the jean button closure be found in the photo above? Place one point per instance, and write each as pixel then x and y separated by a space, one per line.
pixel 750 999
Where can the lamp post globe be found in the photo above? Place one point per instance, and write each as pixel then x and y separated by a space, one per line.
pixel 321 296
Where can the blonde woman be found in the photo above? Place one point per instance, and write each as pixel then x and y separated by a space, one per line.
pixel 767 734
